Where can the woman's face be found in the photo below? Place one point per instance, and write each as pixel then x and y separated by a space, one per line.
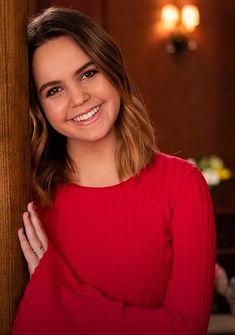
pixel 76 97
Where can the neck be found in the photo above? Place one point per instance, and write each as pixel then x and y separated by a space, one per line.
pixel 94 162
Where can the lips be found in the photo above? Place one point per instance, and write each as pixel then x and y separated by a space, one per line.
pixel 86 116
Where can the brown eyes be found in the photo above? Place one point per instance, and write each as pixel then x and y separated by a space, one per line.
pixel 56 89
pixel 89 74
pixel 53 91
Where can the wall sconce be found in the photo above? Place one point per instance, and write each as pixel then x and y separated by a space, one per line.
pixel 180 25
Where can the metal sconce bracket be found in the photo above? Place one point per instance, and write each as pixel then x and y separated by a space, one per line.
pixel 180 23
pixel 178 42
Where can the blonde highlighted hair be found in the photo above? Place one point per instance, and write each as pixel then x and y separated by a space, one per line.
pixel 136 147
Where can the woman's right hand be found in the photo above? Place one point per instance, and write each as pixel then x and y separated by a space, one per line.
pixel 32 237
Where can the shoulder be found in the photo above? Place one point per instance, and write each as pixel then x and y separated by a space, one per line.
pixel 175 176
pixel 173 167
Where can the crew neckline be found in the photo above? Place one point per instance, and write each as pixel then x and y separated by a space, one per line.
pixel 122 183
pixel 118 185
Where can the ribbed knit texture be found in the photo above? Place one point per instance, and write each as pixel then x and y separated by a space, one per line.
pixel 143 250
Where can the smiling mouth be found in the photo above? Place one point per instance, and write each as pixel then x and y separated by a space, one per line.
pixel 87 116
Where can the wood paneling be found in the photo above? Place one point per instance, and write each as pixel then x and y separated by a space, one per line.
pixel 93 8
pixel 225 59
pixel 14 154
pixel 190 97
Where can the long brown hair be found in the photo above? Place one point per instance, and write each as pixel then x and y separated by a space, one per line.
pixel 136 146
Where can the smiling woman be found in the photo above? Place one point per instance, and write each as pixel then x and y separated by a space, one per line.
pixel 89 73
pixel 120 237
pixel 77 98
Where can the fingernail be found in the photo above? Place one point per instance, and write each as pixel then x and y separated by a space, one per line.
pixel 21 230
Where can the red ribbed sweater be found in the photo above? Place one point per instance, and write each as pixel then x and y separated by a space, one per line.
pixel 133 258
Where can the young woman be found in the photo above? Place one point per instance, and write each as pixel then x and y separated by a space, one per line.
pixel 120 238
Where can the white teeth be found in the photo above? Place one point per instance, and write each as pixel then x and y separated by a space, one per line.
pixel 87 116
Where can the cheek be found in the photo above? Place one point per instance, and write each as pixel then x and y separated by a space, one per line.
pixel 108 89
pixel 54 111
pixel 114 97
pixel 117 103
pixel 50 114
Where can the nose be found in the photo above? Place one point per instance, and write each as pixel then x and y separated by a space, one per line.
pixel 78 95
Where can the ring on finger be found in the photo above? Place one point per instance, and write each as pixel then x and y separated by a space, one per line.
pixel 37 249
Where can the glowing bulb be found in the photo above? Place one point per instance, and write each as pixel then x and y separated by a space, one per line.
pixel 170 16
pixel 190 17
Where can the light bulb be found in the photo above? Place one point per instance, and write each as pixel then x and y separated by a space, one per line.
pixel 170 16
pixel 190 17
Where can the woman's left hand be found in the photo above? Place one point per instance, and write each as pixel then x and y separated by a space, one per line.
pixel 33 241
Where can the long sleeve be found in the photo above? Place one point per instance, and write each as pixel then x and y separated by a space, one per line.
pixel 60 300
pixel 187 304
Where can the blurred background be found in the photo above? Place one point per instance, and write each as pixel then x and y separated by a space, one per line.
pixel 186 75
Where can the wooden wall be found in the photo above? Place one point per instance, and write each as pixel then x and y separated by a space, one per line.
pixel 14 155
pixel 93 8
pixel 190 97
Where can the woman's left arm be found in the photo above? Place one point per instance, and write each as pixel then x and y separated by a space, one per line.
pixel 187 304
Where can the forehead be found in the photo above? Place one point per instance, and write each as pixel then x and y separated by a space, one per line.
pixel 58 55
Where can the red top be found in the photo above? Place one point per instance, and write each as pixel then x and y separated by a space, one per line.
pixel 133 258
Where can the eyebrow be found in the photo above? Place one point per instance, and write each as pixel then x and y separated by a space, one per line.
pixel 56 82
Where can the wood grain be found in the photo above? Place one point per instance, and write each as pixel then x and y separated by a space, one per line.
pixel 14 154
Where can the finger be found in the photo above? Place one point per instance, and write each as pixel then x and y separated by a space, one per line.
pixel 29 255
pixel 33 240
pixel 35 220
